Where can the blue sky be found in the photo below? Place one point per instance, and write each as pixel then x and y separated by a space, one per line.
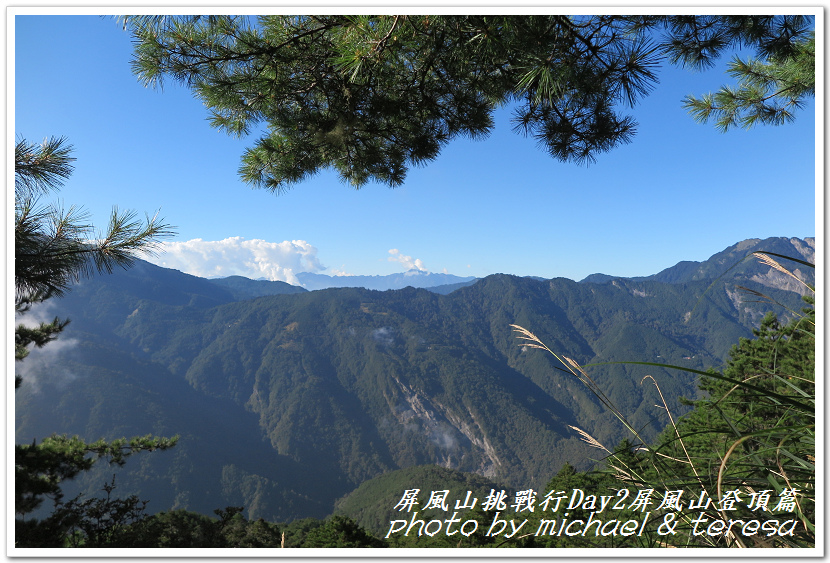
pixel 679 191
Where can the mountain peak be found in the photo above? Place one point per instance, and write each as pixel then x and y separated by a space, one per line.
pixel 734 261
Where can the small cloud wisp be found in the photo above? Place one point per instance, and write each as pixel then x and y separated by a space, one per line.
pixel 407 261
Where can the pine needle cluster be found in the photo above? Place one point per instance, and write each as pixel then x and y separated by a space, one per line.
pixel 372 96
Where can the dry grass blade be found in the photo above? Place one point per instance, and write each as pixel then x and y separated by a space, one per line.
pixel 758 294
pixel 588 439
pixel 532 339
pixel 576 366
pixel 674 426
pixel 622 474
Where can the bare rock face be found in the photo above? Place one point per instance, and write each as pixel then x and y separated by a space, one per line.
pixel 791 276
pixel 780 280
pixel 806 247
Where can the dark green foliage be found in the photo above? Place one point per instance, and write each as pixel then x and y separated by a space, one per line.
pixel 769 91
pixel 339 531
pixel 756 429
pixel 373 95
pixel 294 533
pixel 101 522
pixel 183 529
pixel 258 533
pixel 779 359
pixel 177 528
pixel 372 504
pixel 40 468
pixel 41 471
pixel 235 531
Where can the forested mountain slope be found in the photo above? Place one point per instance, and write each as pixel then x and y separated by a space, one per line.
pixel 287 402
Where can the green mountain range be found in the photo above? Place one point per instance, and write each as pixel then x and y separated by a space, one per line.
pixel 287 400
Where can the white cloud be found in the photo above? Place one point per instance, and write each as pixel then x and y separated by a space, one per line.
pixel 43 312
pixel 339 272
pixel 47 365
pixel 407 261
pixel 235 256
pixel 384 335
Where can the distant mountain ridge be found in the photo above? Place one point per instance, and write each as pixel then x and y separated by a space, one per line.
pixel 244 288
pixel 287 400
pixel 735 263
pixel 412 278
pixel 682 272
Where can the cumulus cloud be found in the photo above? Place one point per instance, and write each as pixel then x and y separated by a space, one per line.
pixel 235 256
pixel 407 261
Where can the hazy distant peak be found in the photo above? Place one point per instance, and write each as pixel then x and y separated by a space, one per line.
pixel 413 277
